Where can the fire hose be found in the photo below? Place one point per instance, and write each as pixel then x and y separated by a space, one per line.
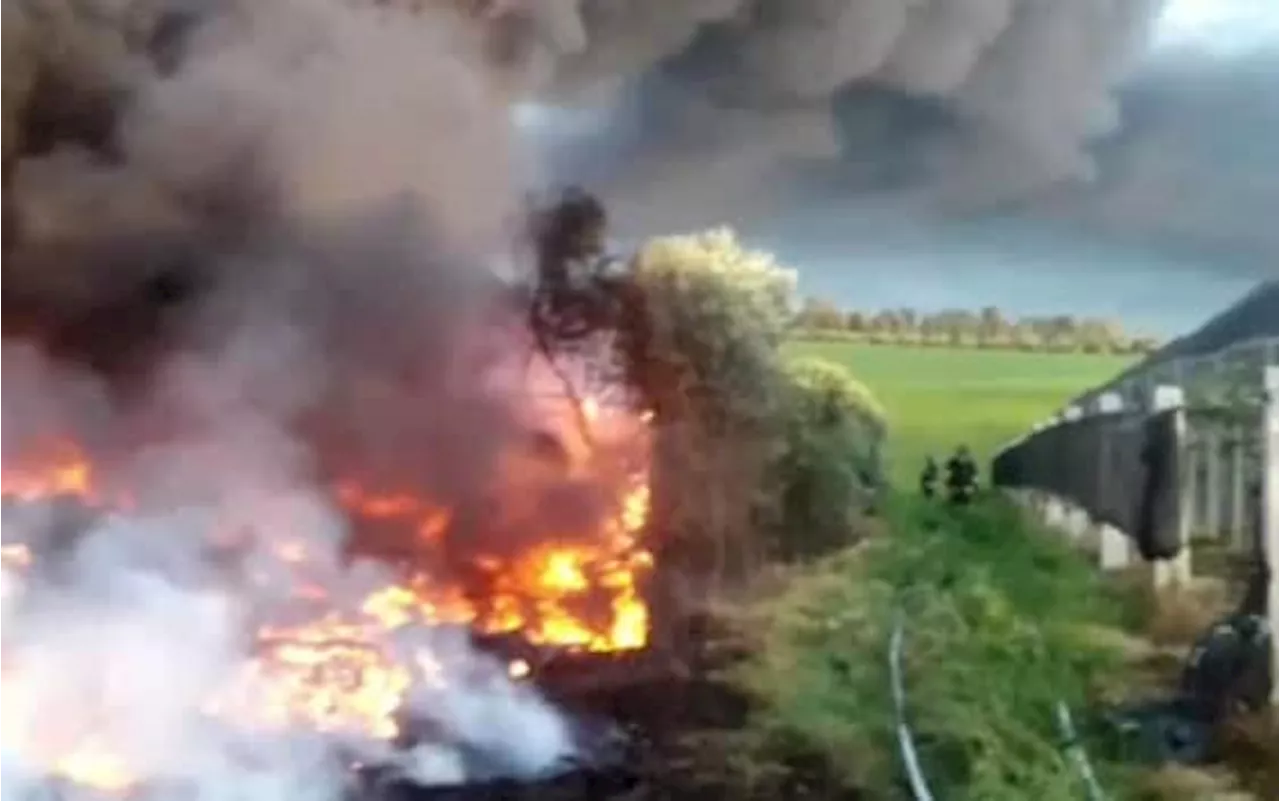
pixel 906 742
pixel 1077 753
pixel 1072 745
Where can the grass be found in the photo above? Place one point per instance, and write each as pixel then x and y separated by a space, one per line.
pixel 937 398
pixel 1003 620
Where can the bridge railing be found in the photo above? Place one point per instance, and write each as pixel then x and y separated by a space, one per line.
pixel 1177 451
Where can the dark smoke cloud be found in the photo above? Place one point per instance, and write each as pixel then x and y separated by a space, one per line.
pixel 1193 170
pixel 738 88
pixel 752 88
pixel 1076 114
pixel 299 200
pixel 709 111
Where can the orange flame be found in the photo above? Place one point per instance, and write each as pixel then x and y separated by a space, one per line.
pixel 338 671
pixel 61 469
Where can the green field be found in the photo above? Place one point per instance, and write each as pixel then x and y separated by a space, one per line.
pixel 937 398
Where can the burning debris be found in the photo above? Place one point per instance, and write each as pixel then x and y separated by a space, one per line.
pixel 384 660
pixel 288 504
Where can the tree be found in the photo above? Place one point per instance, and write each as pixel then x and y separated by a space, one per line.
pixel 829 471
pixel 755 455
pixel 991 325
pixel 988 327
pixel 886 324
pixel 718 314
pixel 1095 335
pixel 1024 335
pixel 820 314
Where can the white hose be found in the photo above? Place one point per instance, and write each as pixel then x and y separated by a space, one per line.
pixel 1077 754
pixel 906 743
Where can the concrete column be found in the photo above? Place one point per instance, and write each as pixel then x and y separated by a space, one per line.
pixel 1239 522
pixel 1193 458
pixel 1270 480
pixel 1168 572
pixel 1075 520
pixel 1211 518
pixel 1115 549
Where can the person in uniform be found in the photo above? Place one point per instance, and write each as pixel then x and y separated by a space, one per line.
pixel 929 477
pixel 962 477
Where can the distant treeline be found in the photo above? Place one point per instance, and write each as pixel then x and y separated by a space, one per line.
pixel 986 328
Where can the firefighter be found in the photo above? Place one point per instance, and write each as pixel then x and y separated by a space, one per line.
pixel 929 477
pixel 962 477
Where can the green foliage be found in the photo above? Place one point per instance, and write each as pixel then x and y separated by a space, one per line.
pixel 827 474
pixel 820 320
pixel 1001 624
pixel 759 457
pixel 936 398
pixel 719 313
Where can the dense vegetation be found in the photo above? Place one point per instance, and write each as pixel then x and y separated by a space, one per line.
pixel 988 328
pixel 1002 622
pixel 759 458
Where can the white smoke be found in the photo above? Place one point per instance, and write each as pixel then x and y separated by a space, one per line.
pixel 345 172
pixel 115 650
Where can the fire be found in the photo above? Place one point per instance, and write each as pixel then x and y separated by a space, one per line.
pixel 331 675
pixel 61 469
pixel 342 668
pixel 535 593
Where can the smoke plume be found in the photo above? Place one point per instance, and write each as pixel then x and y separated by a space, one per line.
pixel 1021 90
pixel 247 249
pixel 733 91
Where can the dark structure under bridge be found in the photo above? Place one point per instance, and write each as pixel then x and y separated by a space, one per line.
pixel 1121 468
pixel 1173 447
pixel 1175 453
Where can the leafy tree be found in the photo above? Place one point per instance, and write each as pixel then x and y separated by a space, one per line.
pixel 988 328
pixel 755 456
pixel 830 470
pixel 991 325
pixel 718 314
pixel 820 314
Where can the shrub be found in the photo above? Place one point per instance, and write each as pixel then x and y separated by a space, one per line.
pixel 755 457
pixel 829 470
pixel 718 314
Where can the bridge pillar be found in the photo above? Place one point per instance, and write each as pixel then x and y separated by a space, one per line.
pixel 1270 480
pixel 1115 549
pixel 1075 520
pixel 1169 572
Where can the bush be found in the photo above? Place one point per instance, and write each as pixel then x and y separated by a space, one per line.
pixel 829 469
pixel 718 314
pixel 756 457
